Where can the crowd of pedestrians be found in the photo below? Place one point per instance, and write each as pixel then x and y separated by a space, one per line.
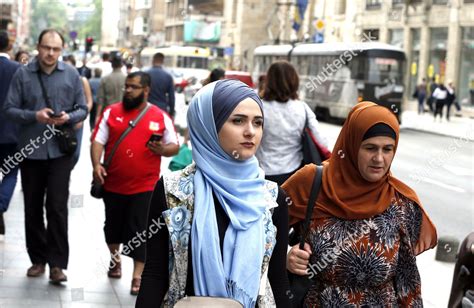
pixel 438 97
pixel 228 214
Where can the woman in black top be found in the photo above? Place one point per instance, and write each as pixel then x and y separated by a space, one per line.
pixel 224 224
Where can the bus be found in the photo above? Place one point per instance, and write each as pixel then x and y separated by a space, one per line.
pixel 335 76
pixel 178 56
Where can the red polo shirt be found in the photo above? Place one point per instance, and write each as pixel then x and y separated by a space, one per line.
pixel 134 168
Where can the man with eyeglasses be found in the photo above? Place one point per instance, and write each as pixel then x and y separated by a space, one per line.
pixel 110 88
pixel 133 171
pixel 44 95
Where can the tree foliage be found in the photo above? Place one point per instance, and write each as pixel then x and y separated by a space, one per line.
pixel 47 14
pixel 92 27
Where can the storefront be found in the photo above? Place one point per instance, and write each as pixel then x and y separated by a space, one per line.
pixel 414 59
pixel 466 68
pixel 437 54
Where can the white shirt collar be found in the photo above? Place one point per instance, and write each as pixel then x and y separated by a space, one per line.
pixel 2 54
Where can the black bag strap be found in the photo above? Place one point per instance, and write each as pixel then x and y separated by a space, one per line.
pixel 131 125
pixel 315 188
pixel 43 91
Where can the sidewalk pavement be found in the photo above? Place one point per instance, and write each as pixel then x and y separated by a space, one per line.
pixel 461 124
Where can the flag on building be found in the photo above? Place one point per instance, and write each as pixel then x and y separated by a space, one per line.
pixel 300 9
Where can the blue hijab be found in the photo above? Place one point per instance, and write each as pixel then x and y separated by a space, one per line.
pixel 239 187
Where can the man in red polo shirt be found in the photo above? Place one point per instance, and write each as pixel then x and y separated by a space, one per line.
pixel 135 168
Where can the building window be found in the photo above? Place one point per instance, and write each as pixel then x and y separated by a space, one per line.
pixel 396 37
pixel 370 35
pixel 466 72
pixel 373 4
pixel 179 34
pixel 397 2
pixel 468 1
pixel 414 59
pixel 437 55
pixel 440 2
pixel 145 25
pixel 340 7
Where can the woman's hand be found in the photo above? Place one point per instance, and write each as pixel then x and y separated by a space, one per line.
pixel 297 260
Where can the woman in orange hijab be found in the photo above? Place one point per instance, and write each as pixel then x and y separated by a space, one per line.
pixel 367 226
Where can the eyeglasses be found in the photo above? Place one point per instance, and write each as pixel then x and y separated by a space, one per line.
pixel 49 49
pixel 131 86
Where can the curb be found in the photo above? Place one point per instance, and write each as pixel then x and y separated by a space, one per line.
pixel 432 132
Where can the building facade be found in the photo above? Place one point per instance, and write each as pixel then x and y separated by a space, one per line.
pixel 15 18
pixel 437 35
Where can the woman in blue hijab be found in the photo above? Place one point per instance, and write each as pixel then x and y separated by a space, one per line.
pixel 217 228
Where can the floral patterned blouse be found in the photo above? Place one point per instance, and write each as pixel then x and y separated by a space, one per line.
pixel 367 262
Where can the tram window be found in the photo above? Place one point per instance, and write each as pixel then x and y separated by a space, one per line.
pixel 302 65
pixel 314 65
pixel 384 70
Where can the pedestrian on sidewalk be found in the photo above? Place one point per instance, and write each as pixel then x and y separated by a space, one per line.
pixel 79 127
pixel 421 95
pixel 440 96
pixel 111 87
pixel 367 226
pixel 8 130
pixel 281 151
pixel 225 223
pixel 431 99
pixel 450 99
pixel 162 85
pixel 133 172
pixel 216 74
pixel 94 83
pixel 46 95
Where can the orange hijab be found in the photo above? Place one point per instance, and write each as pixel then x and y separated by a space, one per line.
pixel 344 193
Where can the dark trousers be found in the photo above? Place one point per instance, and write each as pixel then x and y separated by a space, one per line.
pixel 46 244
pixel 448 109
pixel 92 116
pixel 421 103
pixel 439 108
pixel 126 222
pixel 9 172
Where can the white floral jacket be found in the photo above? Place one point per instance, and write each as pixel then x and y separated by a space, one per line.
pixel 179 194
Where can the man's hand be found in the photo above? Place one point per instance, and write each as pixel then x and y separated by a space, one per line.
pixel 297 260
pixel 62 119
pixel 156 147
pixel 42 116
pixel 99 173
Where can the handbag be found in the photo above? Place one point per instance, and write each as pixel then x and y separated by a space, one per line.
pixel 313 152
pixel 66 136
pixel 299 285
pixel 206 302
pixel 97 189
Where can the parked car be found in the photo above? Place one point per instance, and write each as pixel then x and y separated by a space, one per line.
pixel 195 84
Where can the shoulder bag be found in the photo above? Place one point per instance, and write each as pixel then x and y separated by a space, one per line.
pixel 313 152
pixel 97 189
pixel 66 135
pixel 207 302
pixel 299 285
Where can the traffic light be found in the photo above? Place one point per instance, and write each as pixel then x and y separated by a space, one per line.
pixel 89 43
